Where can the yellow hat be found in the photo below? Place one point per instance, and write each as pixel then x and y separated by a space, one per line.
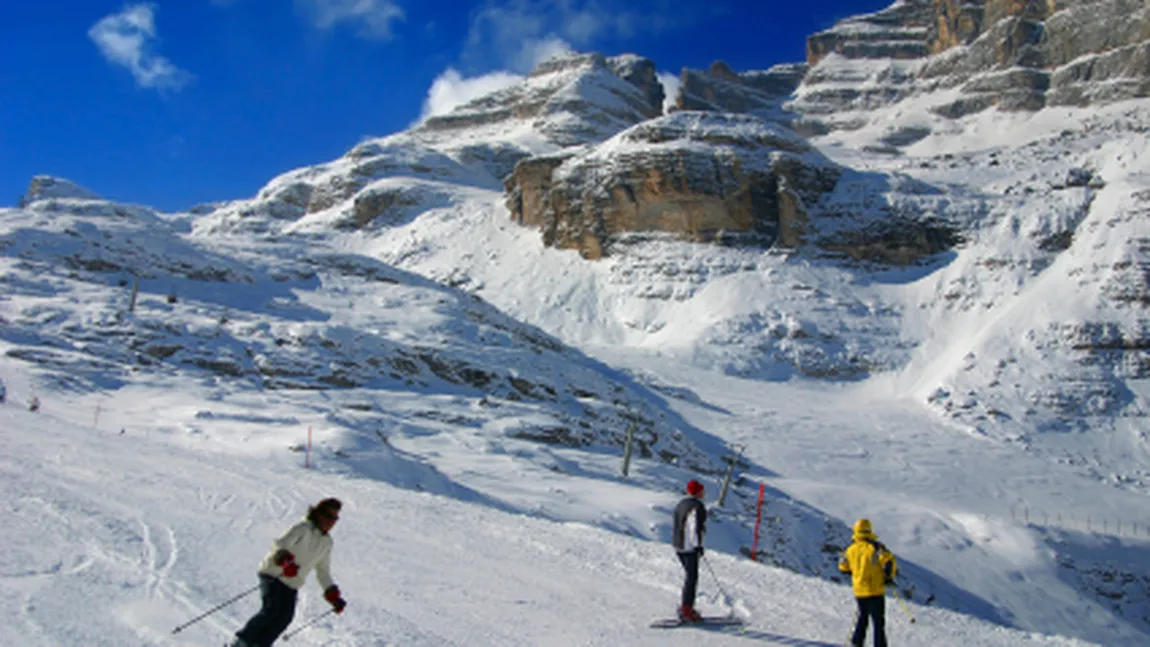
pixel 863 528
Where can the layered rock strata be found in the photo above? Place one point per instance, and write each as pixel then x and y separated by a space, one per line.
pixel 695 175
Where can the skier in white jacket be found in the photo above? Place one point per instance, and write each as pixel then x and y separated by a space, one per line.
pixel 304 546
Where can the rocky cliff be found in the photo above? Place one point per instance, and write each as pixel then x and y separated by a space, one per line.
pixel 570 99
pixel 706 176
pixel 963 56
pixel 1014 54
pixel 696 175
pixel 723 90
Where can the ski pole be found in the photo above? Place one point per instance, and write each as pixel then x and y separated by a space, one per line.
pixel 308 623
pixel 726 597
pixel 851 629
pixel 214 609
pixel 902 602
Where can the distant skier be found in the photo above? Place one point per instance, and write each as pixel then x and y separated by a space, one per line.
pixel 34 404
pixel 690 521
pixel 304 546
pixel 3 392
pixel 871 567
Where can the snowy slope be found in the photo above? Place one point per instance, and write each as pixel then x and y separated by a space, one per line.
pixel 117 540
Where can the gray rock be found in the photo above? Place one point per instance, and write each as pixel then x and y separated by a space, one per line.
pixel 44 187
pixel 1008 53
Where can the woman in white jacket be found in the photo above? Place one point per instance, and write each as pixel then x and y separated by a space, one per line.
pixel 304 546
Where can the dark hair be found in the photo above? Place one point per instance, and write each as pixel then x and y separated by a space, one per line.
pixel 328 505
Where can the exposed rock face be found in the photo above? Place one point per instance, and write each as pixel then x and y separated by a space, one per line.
pixel 899 31
pixel 43 187
pixel 721 89
pixel 1099 52
pixel 1014 54
pixel 640 72
pixel 695 175
pixel 626 91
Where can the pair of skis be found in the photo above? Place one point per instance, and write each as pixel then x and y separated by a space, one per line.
pixel 706 621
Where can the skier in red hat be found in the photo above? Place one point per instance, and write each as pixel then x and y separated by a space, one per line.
pixel 690 521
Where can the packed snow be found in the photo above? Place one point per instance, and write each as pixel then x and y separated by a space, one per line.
pixel 118 538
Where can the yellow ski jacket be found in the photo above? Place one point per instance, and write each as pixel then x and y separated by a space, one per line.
pixel 870 564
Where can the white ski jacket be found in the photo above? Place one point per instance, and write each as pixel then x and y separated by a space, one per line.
pixel 311 549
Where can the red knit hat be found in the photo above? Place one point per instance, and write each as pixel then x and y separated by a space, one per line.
pixel 694 488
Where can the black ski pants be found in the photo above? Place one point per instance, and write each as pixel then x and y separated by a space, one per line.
pixel 690 563
pixel 275 614
pixel 875 609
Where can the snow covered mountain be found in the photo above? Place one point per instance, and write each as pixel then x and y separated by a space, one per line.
pixel 934 318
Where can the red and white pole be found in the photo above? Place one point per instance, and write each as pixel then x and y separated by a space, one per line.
pixel 758 520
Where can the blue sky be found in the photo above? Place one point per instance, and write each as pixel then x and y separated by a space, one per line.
pixel 179 102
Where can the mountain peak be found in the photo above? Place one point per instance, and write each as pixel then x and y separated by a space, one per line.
pixel 569 99
pixel 44 187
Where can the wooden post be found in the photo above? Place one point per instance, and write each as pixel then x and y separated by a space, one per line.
pixel 758 520
pixel 135 293
pixel 732 462
pixel 726 483
pixel 627 448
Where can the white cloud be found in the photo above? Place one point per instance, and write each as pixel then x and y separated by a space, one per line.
pixel 670 89
pixel 513 33
pixel 583 26
pixel 128 39
pixel 450 90
pixel 535 51
pixel 374 17
pixel 518 34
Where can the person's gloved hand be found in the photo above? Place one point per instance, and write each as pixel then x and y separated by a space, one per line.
pixel 285 560
pixel 700 551
pixel 333 597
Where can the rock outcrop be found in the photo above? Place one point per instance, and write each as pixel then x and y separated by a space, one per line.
pixel 901 31
pixel 571 99
pixel 44 187
pixel 723 90
pixel 694 175
pixel 1013 54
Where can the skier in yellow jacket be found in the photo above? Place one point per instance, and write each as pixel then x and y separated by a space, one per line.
pixel 871 567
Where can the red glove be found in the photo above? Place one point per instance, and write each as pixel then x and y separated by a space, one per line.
pixel 285 560
pixel 333 597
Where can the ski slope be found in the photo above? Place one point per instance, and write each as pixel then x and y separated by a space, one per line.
pixel 115 539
